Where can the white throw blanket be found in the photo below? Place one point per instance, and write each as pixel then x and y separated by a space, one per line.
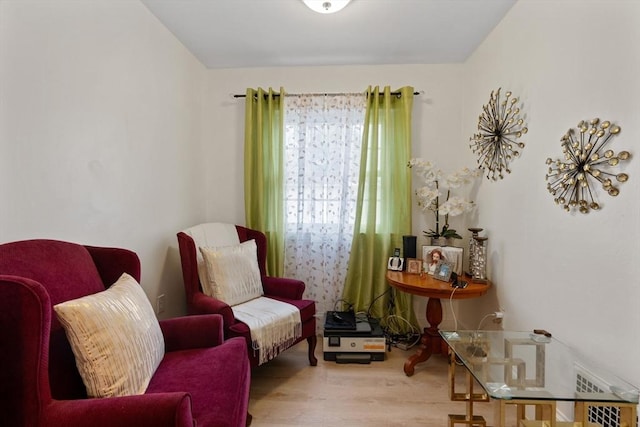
pixel 274 325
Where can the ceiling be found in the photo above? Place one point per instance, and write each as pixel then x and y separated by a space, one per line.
pixel 285 33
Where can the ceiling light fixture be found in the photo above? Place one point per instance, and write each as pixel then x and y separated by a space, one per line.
pixel 326 6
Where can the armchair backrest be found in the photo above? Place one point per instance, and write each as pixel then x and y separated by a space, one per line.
pixel 213 234
pixel 261 243
pixel 64 271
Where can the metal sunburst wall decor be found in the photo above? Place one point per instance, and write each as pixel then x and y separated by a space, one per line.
pixel 499 127
pixel 587 163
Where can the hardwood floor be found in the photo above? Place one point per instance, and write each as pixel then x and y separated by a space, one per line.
pixel 288 392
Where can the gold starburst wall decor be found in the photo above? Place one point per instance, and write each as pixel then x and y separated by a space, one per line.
pixel 587 164
pixel 499 128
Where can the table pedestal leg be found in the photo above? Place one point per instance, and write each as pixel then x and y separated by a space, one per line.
pixel 431 342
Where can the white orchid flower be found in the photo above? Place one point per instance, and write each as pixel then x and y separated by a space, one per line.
pixel 435 184
pixel 427 197
pixel 455 206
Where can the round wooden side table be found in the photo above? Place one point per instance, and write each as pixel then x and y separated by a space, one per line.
pixel 425 285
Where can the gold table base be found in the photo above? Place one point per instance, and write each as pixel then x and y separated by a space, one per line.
pixel 545 410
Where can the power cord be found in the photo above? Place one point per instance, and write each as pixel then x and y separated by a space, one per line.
pixel 396 336
pixel 453 313
pixel 496 314
pixel 344 302
pixel 376 299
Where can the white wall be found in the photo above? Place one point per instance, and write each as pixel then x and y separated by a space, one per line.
pixel 100 116
pixel 575 275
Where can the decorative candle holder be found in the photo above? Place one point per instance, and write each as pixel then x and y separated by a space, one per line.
pixel 479 264
pixel 472 248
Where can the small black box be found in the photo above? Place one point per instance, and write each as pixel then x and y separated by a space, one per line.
pixel 340 321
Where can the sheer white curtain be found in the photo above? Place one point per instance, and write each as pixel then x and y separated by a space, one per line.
pixel 323 137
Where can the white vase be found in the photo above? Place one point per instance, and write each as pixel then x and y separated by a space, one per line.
pixel 440 241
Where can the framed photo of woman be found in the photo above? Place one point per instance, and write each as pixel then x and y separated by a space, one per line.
pixel 452 254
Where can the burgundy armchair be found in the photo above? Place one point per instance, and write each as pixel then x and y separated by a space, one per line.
pixel 201 380
pixel 282 289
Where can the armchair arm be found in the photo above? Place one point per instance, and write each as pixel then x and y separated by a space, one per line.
pixel 203 304
pixel 146 410
pixel 199 331
pixel 112 262
pixel 283 287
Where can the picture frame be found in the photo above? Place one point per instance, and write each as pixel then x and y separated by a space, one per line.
pixel 443 271
pixel 451 254
pixel 414 265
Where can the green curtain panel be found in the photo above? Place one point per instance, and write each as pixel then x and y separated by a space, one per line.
pixel 263 171
pixel 383 213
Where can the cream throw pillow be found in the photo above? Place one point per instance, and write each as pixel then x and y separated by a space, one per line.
pixel 115 337
pixel 233 275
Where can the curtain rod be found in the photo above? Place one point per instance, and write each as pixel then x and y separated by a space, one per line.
pixel 327 94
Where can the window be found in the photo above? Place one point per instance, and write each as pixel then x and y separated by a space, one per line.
pixel 323 139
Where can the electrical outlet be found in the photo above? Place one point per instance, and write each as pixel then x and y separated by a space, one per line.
pixel 498 316
pixel 160 304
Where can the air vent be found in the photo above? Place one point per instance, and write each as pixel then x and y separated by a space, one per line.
pixel 586 382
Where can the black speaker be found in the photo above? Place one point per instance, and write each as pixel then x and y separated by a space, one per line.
pixel 408 248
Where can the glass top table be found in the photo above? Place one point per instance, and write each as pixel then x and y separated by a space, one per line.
pixel 524 365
